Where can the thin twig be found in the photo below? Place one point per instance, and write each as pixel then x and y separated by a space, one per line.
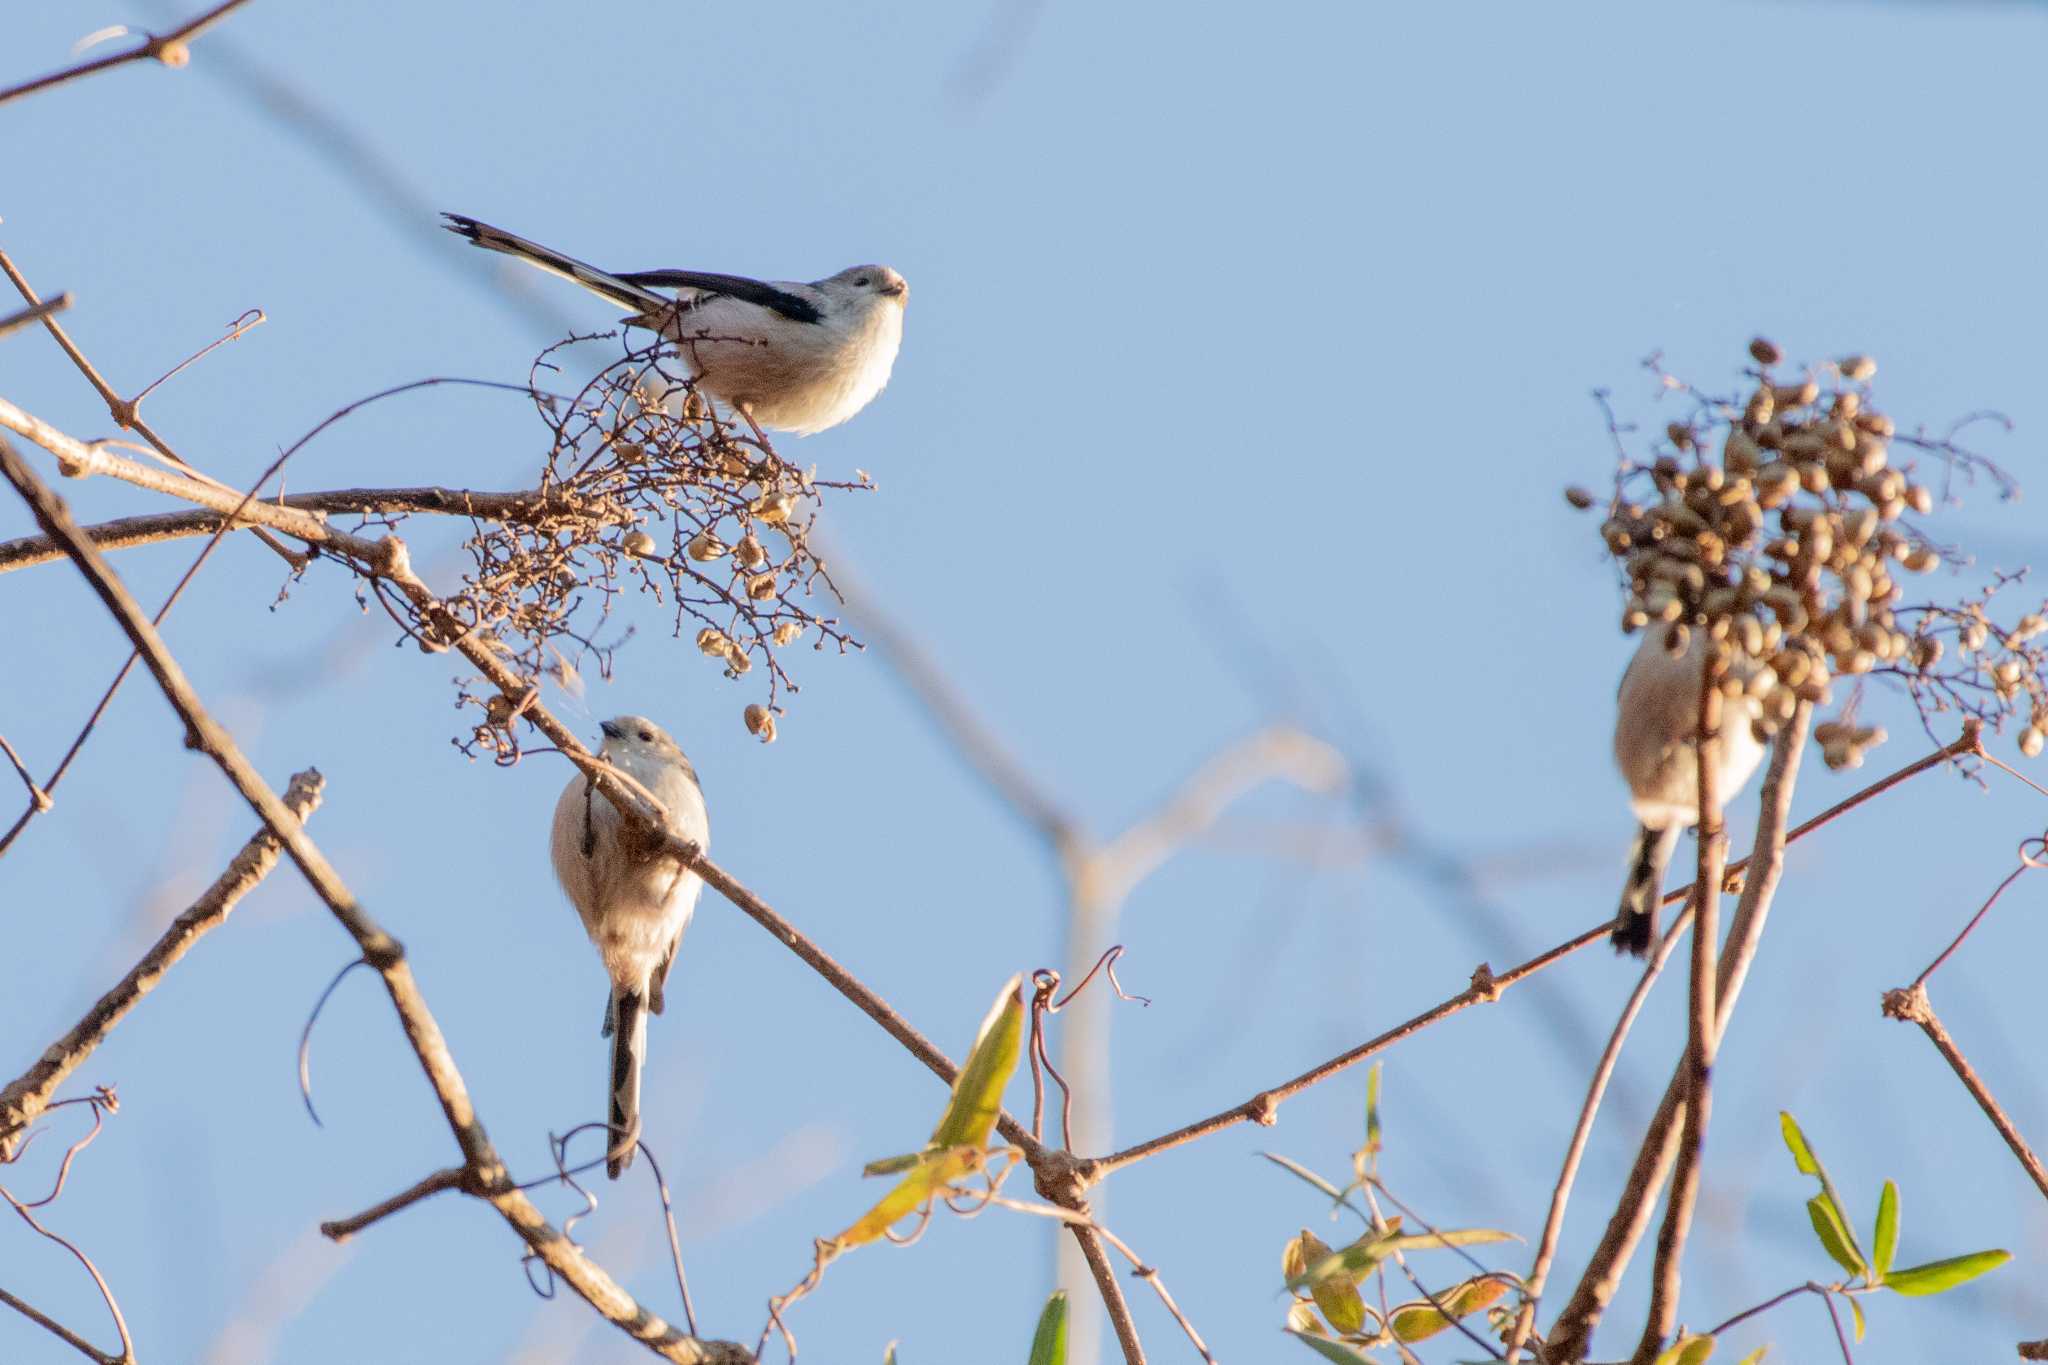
pixel 341 1229
pixel 172 49
pixel 59 1330
pixel 23 1099
pixel 1913 1005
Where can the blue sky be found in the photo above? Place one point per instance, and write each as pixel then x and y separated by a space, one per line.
pixel 1246 356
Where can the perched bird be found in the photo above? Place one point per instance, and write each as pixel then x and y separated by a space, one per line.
pixel 635 905
pixel 1657 716
pixel 792 357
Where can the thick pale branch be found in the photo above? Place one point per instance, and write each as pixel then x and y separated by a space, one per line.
pixel 378 948
pixel 1574 1326
pixel 25 1098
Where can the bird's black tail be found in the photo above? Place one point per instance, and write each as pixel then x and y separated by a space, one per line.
pixel 629 1050
pixel 1635 928
pixel 631 297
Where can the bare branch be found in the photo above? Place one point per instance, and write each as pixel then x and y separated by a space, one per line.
pixel 126 532
pixel 23 1099
pixel 1702 1024
pixel 173 49
pixel 450 1178
pixel 34 313
pixel 59 1330
pixel 1912 1005
pixel 382 951
pixel 1112 1293
pixel 1574 1326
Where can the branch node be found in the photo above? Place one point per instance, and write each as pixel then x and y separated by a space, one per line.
pixel 1484 986
pixel 1908 1003
pixel 1263 1109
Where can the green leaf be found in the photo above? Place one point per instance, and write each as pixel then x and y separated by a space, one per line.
pixel 1049 1342
pixel 1420 1320
pixel 1856 1313
pixel 1301 1172
pixel 1372 1108
pixel 1687 1350
pixel 1332 1350
pixel 1937 1276
pixel 978 1093
pixel 1834 1238
pixel 1886 1239
pixel 1809 1164
pixel 892 1165
pixel 1755 1357
pixel 1356 1261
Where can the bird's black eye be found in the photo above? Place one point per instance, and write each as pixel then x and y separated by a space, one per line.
pixel 863 282
pixel 647 736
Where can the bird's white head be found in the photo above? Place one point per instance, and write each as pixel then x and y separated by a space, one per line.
pixel 861 283
pixel 637 736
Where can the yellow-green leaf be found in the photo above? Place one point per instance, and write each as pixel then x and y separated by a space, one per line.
pixel 892 1165
pixel 1809 1164
pixel 1049 1342
pixel 1687 1350
pixel 1333 1350
pixel 889 1354
pixel 1372 1108
pixel 1834 1238
pixel 1336 1296
pixel 1421 1320
pixel 934 1171
pixel 1356 1261
pixel 978 1094
pixel 1856 1315
pixel 1755 1357
pixel 1936 1276
pixel 1886 1239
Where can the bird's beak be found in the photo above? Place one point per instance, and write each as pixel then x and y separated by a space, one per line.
pixel 611 731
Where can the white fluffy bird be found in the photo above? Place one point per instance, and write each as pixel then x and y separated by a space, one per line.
pixel 1657 716
pixel 634 907
pixel 792 357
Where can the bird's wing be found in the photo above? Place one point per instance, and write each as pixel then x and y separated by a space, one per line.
pixel 622 290
pixel 791 305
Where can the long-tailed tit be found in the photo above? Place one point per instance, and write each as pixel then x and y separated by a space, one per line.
pixel 634 905
pixel 1657 716
pixel 794 357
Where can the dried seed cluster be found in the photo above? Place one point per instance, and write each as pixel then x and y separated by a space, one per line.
pixel 1779 522
pixel 646 487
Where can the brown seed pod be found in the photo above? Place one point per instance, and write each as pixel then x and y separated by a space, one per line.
pixel 1926 652
pixel 1813 476
pixel 749 552
pixel 1922 560
pixel 1795 395
pixel 705 547
pixel 1857 368
pixel 1740 454
pixel 637 543
pixel 1920 498
pixel 761 586
pixel 713 642
pixel 773 508
pixel 1579 498
pixel 1764 352
pixel 2031 741
pixel 760 721
pixel 789 632
pixel 1679 434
